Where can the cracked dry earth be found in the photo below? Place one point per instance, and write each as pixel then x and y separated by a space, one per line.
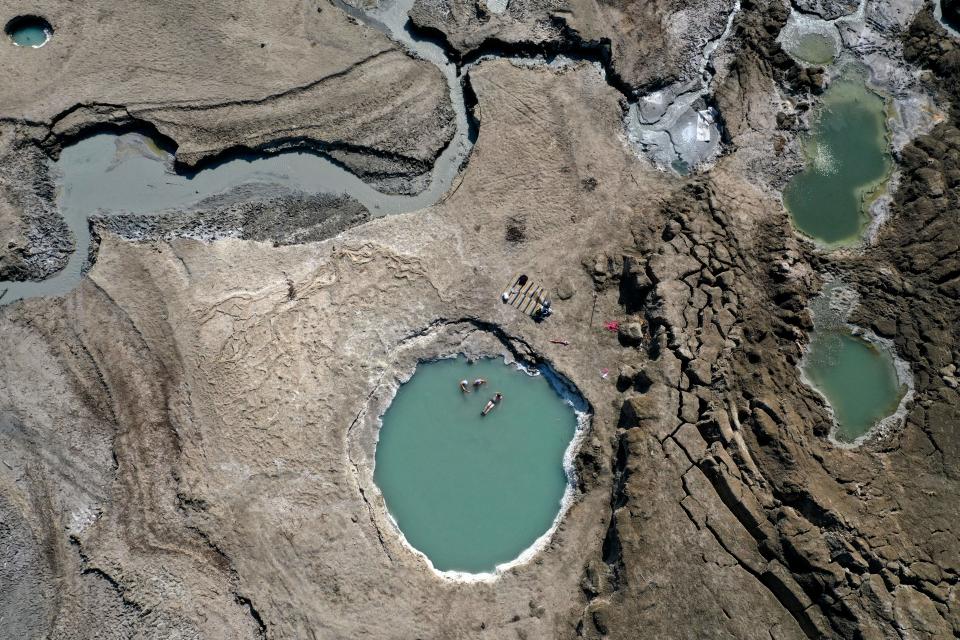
pixel 187 437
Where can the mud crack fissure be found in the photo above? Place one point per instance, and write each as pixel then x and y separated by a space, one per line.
pixel 239 598
pixel 772 583
pixel 691 294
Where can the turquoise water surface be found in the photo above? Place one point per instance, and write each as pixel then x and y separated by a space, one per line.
pixel 857 377
pixel 847 160
pixel 472 492
pixel 27 32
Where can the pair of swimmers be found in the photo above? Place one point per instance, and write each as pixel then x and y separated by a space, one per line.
pixel 494 401
pixel 465 386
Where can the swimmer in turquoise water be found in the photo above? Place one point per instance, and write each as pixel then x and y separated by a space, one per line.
pixel 494 401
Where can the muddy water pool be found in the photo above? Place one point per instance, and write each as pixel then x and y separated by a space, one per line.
pixel 815 48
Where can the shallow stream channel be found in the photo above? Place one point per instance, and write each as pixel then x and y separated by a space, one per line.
pixel 476 493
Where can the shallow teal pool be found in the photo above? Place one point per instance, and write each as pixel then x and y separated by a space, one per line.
pixel 29 31
pixel 847 161
pixel 473 492
pixel 856 376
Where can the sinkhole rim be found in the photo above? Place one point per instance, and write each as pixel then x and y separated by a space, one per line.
pixel 567 392
pixel 24 21
pixel 947 23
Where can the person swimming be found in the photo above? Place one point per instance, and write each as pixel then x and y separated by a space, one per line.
pixel 479 381
pixel 464 386
pixel 494 401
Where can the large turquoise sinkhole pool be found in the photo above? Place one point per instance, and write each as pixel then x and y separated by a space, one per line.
pixel 847 162
pixel 472 492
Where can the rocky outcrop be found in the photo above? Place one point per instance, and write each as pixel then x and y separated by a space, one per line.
pixel 720 389
pixel 285 219
pixel 466 25
pixel 853 544
pixel 654 44
pixel 826 9
pixel 649 44
pixel 34 239
pixel 691 286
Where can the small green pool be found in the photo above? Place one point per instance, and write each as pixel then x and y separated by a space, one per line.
pixel 29 31
pixel 856 376
pixel 815 48
pixel 848 160
pixel 473 492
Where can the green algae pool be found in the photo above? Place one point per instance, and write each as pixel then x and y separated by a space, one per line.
pixel 815 48
pixel 857 376
pixel 848 160
pixel 472 492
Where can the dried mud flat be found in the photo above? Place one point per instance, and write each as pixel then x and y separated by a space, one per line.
pixel 186 438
